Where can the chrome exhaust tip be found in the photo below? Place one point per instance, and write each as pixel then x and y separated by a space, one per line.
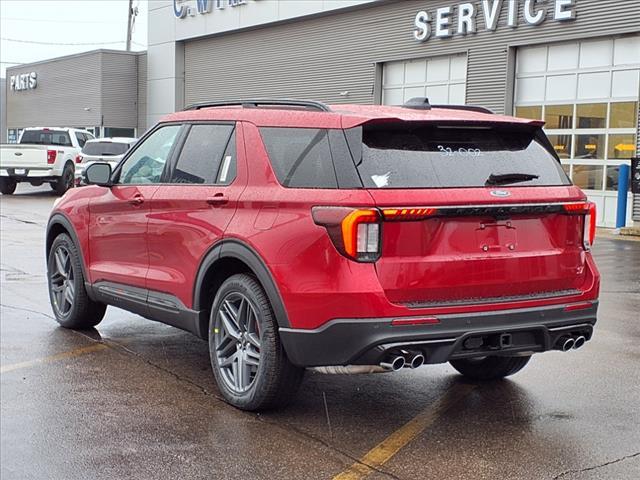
pixel 393 363
pixel 565 344
pixel 416 361
pixel 579 342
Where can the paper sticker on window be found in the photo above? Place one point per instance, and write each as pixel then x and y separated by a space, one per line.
pixel 381 180
pixel 225 169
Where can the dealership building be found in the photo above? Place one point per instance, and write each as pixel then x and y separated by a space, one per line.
pixel 104 91
pixel 573 63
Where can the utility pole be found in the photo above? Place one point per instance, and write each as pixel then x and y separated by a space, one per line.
pixel 130 21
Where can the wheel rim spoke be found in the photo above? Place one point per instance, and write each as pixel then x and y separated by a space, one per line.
pixel 68 295
pixel 60 258
pixel 252 357
pixel 254 339
pixel 229 326
pixel 227 346
pixel 60 299
pixel 227 362
pixel 62 282
pixel 237 342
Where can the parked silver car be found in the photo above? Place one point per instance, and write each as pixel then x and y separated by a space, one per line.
pixel 103 150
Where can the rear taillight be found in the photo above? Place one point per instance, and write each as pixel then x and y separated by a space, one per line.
pixel 354 232
pixel 78 158
pixel 407 214
pixel 51 156
pixel 589 233
pixel 588 209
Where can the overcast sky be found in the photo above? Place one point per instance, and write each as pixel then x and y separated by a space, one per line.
pixel 49 23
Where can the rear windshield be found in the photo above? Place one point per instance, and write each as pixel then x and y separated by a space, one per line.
pixel 46 137
pixel 414 155
pixel 105 148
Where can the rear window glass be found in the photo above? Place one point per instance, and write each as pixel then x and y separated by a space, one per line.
pixel 404 155
pixel 301 157
pixel 105 149
pixel 46 137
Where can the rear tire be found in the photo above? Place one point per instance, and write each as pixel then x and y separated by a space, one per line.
pixel 249 363
pixel 7 185
pixel 70 302
pixel 66 180
pixel 489 368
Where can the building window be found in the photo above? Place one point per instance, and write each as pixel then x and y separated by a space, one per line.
pixel 119 132
pixel 587 94
pixel 12 135
pixel 442 80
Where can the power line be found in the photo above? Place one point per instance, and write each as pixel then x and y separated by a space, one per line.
pixel 67 44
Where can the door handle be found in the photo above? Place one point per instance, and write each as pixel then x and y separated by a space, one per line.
pixel 218 199
pixel 137 199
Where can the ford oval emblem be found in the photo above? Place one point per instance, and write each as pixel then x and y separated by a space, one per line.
pixel 499 193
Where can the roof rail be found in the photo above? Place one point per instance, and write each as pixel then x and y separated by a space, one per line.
pixel 258 102
pixel 471 108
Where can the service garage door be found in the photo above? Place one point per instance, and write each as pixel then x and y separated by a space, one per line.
pixel 587 93
pixel 442 79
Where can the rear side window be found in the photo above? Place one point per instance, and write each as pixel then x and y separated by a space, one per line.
pixel 414 155
pixel 300 157
pixel 46 137
pixel 82 139
pixel 204 156
pixel 105 149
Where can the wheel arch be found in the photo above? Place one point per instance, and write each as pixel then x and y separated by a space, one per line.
pixel 58 224
pixel 227 258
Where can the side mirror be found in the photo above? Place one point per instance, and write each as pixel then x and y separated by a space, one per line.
pixel 98 173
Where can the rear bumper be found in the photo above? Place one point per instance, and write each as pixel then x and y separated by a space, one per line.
pixel 369 341
pixel 29 173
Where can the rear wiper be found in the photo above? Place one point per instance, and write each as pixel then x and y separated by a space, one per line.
pixel 504 178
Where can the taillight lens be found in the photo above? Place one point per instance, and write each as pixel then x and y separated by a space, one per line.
pixel 588 209
pixel 51 156
pixel 589 234
pixel 78 158
pixel 407 214
pixel 354 232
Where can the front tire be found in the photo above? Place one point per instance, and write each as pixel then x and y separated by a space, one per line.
pixel 489 368
pixel 70 302
pixel 249 363
pixel 7 185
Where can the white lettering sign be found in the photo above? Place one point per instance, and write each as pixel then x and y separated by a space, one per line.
pixel 184 8
pixel 465 16
pixel 24 81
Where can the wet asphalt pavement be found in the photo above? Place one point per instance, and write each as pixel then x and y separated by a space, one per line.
pixel 136 399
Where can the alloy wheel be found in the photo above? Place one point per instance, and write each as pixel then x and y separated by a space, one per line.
pixel 62 281
pixel 237 342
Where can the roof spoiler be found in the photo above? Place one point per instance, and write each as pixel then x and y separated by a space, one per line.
pixel 422 103
pixel 263 102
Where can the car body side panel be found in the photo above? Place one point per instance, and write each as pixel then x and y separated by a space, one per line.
pixel 74 207
pixel 117 235
pixel 183 227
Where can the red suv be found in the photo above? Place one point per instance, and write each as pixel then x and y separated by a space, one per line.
pixel 291 234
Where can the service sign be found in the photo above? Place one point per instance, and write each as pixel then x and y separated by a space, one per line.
pixel 24 81
pixel 471 17
pixel 184 8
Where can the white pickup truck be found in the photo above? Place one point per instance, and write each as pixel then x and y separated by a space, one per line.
pixel 42 155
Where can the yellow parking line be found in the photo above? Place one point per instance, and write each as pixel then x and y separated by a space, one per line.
pixel 53 358
pixel 385 450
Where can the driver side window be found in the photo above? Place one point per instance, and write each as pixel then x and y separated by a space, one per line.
pixel 146 163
